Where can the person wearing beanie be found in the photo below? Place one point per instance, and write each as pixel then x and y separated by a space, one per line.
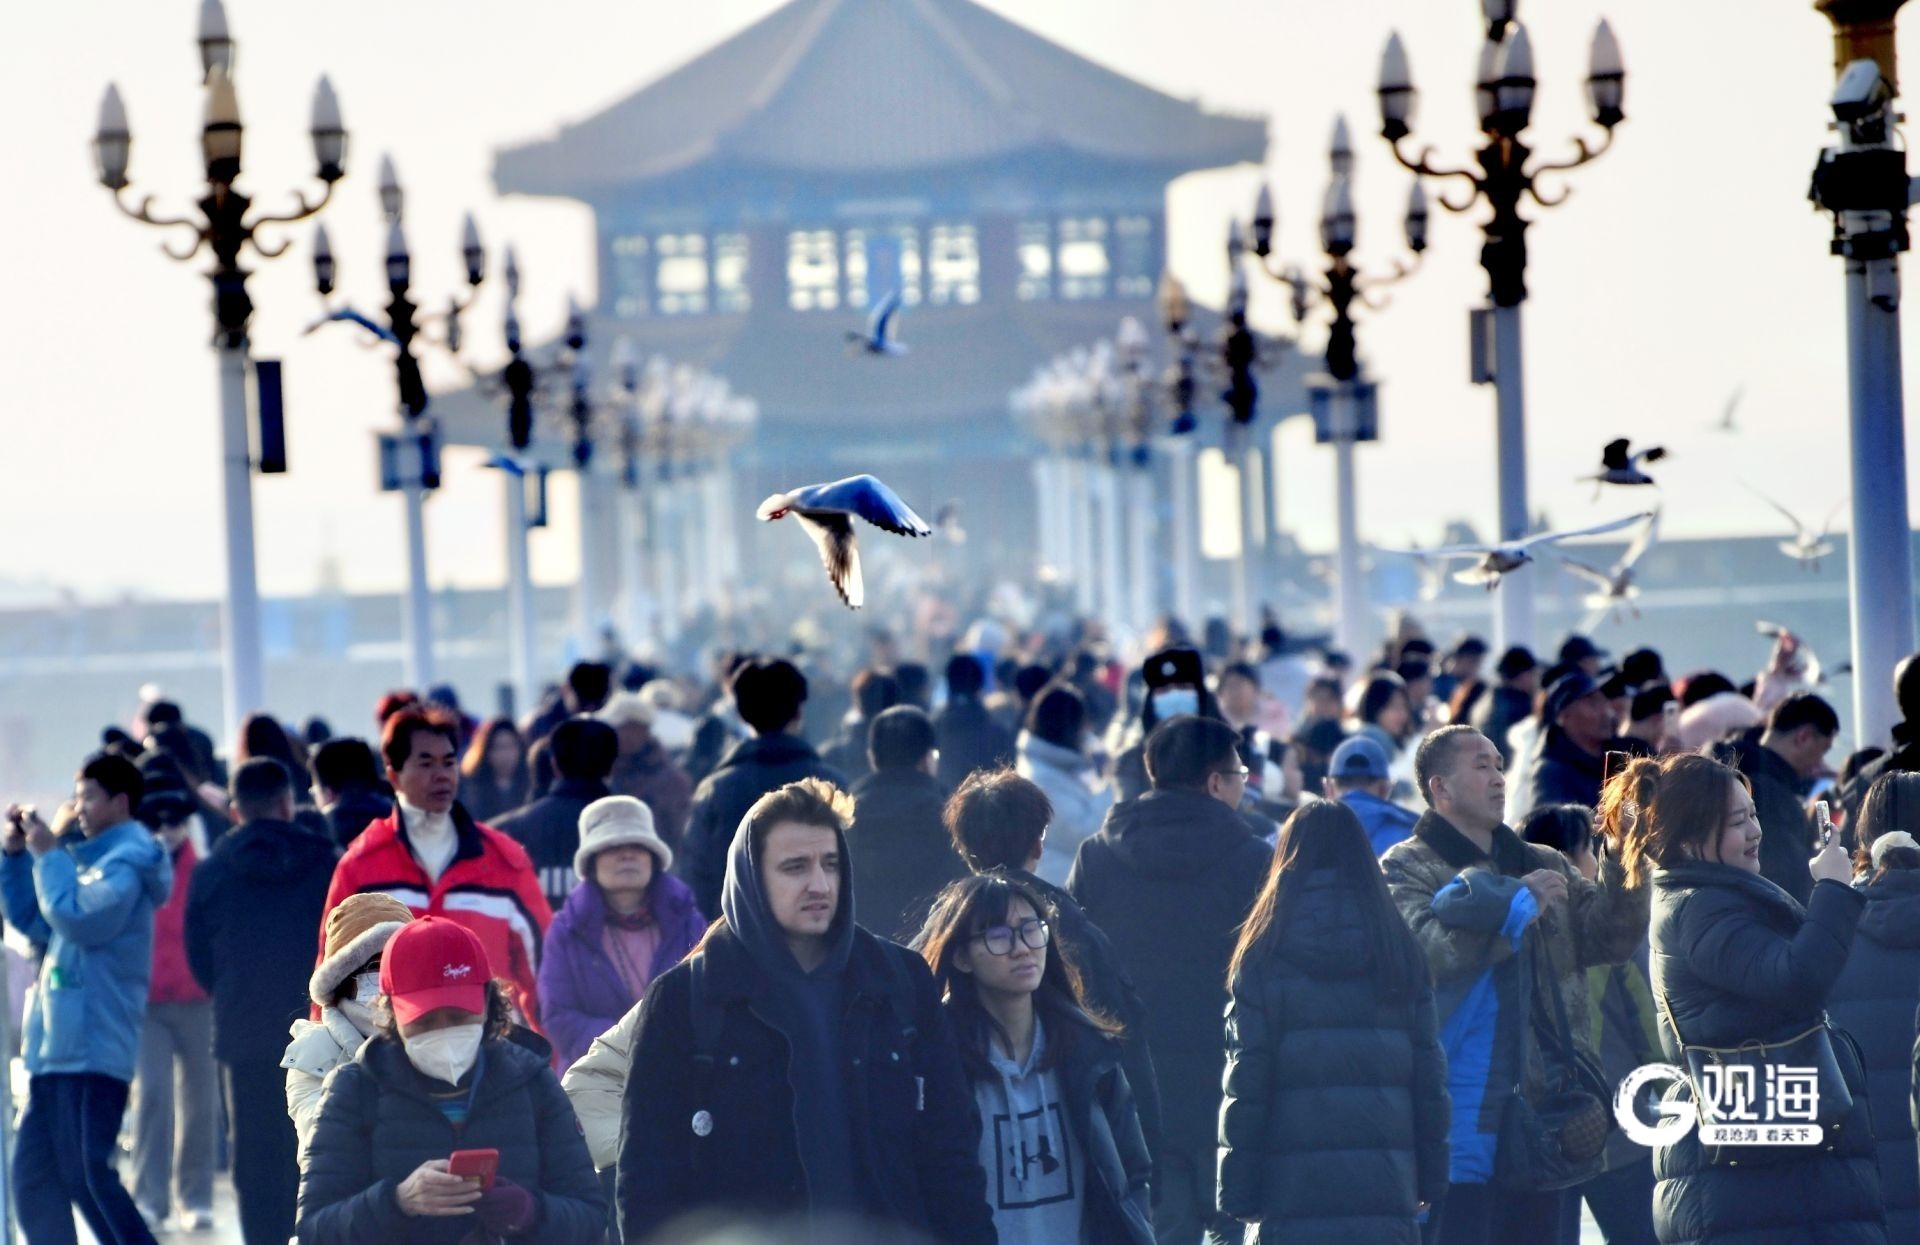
pixel 627 921
pixel 442 1074
pixel 344 987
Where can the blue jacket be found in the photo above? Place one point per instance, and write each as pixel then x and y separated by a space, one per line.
pixel 1385 822
pixel 92 907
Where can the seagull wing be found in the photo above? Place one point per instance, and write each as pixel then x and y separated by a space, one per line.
pixel 880 321
pixel 1727 412
pixel 1444 551
pixel 1826 529
pixel 1593 574
pixel 1614 456
pixel 868 497
pixel 1642 542
pixel 832 531
pixel 1547 538
pixel 1799 528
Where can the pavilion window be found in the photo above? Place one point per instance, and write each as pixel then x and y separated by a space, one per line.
pixel 730 272
pixel 813 271
pixel 953 264
pixel 1033 244
pixel 632 276
pixel 1084 267
pixel 680 279
pixel 1134 272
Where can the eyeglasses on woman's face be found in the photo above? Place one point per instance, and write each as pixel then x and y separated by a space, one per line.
pixel 1033 932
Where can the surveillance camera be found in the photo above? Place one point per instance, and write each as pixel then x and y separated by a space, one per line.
pixel 1861 92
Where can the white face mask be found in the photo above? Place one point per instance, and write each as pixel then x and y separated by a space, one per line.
pixel 366 988
pixel 446 1054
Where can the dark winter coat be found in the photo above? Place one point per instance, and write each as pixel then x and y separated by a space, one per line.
pixel 1786 839
pixel 355 810
pixel 1875 1001
pixel 1170 878
pixel 753 768
pixel 1498 712
pixel 919 1161
pixel 487 800
pixel 1737 960
pixel 1336 1116
pixel 847 750
pixel 651 777
pixel 549 828
pixel 1106 988
pixel 581 993
pixel 969 739
pixel 253 907
pixel 1565 773
pixel 903 849
pixel 377 1123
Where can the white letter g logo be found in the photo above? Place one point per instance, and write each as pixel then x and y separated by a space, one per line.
pixel 1676 1118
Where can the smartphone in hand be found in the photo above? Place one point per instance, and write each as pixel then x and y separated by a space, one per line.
pixel 1823 818
pixel 481 1165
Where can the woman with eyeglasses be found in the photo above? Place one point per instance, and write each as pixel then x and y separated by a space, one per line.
pixel 1060 1140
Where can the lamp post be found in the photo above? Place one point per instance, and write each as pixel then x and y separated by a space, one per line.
pixel 1863 182
pixel 224 229
pixel 413 456
pixel 521 382
pixel 1504 91
pixel 1343 398
pixel 1239 355
pixel 1131 346
pixel 1181 385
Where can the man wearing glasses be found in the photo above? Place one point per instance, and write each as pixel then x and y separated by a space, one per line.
pixel 1171 877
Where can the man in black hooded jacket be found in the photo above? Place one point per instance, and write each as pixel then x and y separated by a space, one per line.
pixel 795 1063
pixel 1171 877
pixel 770 694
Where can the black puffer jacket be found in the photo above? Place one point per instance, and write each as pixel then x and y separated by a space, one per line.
pixel 1336 1116
pixel 1738 960
pixel 377 1123
pixel 1170 877
pixel 355 809
pixel 549 828
pixel 1787 833
pixel 252 908
pixel 753 768
pixel 1875 1000
pixel 969 739
pixel 903 850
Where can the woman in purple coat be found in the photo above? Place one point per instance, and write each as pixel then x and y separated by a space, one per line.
pixel 626 922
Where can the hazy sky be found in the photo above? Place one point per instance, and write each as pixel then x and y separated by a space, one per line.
pixel 1687 263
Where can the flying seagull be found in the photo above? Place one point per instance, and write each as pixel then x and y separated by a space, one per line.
pixel 1617 466
pixel 1807 546
pixel 878 339
pixel 1494 561
pixel 350 315
pixel 826 513
pixel 1614 586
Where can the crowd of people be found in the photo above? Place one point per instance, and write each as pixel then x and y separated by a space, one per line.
pixel 1030 946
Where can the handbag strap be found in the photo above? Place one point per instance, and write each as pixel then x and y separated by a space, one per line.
pixel 1560 1028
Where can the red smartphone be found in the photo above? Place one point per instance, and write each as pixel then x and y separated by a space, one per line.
pixel 478 1165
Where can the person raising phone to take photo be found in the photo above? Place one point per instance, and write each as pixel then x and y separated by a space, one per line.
pixel 440 1076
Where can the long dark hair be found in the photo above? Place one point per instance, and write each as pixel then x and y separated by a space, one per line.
pixel 1326 835
pixel 1664 811
pixel 980 902
pixel 1892 803
pixel 474 765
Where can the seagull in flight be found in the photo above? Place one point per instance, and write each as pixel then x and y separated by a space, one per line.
pixel 826 513
pixel 1495 561
pixel 1807 546
pixel 1618 466
pixel 1614 586
pixel 353 317
pixel 878 339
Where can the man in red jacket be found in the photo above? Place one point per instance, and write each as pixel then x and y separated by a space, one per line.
pixel 432 856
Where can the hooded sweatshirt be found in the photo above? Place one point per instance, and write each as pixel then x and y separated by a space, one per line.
pixel 809 1006
pixel 1036 1175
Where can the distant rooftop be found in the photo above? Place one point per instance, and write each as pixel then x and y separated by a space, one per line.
pixel 829 87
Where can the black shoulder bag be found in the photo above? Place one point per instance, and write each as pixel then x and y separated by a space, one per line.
pixel 1558 1138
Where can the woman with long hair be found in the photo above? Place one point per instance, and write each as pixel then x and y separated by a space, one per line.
pixel 1336 1117
pixel 1060 1138
pixel 1878 993
pixel 494 776
pixel 1736 960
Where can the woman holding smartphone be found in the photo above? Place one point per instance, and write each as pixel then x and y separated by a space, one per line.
pixel 439 1086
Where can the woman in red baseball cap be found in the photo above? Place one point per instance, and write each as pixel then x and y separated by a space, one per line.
pixel 439 1077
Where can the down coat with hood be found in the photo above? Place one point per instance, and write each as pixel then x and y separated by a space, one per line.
pixel 750 769
pixel 1079 807
pixel 1170 878
pixel 379 1121
pixel 816 1096
pixel 1473 918
pixel 1336 1118
pixel 1737 960
pixel 251 912
pixel 91 906
pixel 1875 1001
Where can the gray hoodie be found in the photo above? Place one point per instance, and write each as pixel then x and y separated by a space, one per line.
pixel 1036 1175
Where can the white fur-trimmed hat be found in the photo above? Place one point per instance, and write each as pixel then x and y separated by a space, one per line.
pixel 357 930
pixel 616 821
